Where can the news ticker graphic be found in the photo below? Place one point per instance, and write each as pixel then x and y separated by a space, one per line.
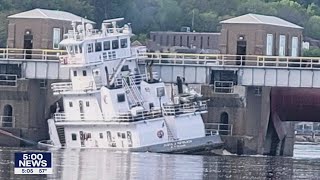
pixel 32 163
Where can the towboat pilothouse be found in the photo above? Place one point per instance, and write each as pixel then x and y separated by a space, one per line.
pixel 110 104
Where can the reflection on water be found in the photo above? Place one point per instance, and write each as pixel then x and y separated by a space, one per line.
pixel 103 164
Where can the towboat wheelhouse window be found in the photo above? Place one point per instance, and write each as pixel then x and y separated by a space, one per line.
pixel 74 136
pixel 98 47
pixel 106 45
pixel 115 44
pixel 121 98
pixel 124 43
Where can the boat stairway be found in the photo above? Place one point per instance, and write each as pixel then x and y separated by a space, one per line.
pixel 61 135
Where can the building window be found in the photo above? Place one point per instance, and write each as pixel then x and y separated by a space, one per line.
pixel 74 136
pixel 74 73
pixel 43 83
pixel 109 136
pixel 70 104
pixel 269 49
pixel 294 47
pixel 98 47
pixel 106 45
pixel 282 45
pixel 7 118
pixel 124 43
pixel 115 44
pixel 101 135
pixel 87 103
pixel 84 73
pixel 121 98
pixel 56 38
pixel 90 48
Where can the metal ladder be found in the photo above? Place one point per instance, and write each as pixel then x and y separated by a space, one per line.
pixel 117 71
pixel 132 91
pixel 61 135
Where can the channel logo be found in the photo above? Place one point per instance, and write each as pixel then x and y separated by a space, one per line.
pixel 33 163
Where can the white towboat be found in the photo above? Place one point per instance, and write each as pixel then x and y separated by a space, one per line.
pixel 110 104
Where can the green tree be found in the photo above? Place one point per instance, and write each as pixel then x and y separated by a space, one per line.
pixel 312 27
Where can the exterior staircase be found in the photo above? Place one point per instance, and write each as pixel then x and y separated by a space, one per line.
pixel 132 91
pixel 170 134
pixel 61 135
pixel 113 77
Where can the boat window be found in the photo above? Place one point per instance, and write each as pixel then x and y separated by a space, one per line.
pixel 80 48
pixel 106 45
pixel 125 68
pixel 123 135
pixel 101 135
pixel 74 73
pixel 98 47
pixel 124 43
pixel 70 104
pixel 115 44
pixel 72 50
pixel 119 134
pixel 84 73
pixel 160 92
pixel 108 136
pixel 121 98
pixel 87 103
pixel 74 136
pixel 129 137
pixel 90 48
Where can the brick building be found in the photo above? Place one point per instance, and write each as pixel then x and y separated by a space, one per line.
pixel 254 34
pixel 40 28
pixel 250 34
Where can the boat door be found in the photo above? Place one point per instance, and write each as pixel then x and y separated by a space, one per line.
pixel 81 109
pixel 122 140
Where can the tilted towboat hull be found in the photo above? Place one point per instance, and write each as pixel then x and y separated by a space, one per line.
pixel 189 146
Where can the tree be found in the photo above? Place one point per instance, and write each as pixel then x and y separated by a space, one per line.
pixel 312 27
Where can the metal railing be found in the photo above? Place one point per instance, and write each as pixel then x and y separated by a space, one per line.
pixel 63 87
pixel 218 128
pixel 30 54
pixel 232 60
pixel 137 78
pixel 177 109
pixel 7 121
pixel 223 87
pixel 8 80
pixel 120 117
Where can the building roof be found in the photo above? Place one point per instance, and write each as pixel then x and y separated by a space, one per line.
pixel 260 19
pixel 50 14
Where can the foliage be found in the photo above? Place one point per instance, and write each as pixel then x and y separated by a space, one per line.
pixel 312 52
pixel 152 15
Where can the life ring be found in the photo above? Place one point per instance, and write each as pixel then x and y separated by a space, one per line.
pixel 160 134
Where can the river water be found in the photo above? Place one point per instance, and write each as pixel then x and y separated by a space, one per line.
pixel 96 164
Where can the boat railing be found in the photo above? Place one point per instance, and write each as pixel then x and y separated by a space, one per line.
pixel 61 87
pixel 137 78
pixel 120 117
pixel 218 128
pixel 7 121
pixel 71 60
pixel 223 87
pixel 177 109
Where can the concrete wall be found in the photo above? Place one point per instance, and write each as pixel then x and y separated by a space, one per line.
pixel 31 108
pixel 255 36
